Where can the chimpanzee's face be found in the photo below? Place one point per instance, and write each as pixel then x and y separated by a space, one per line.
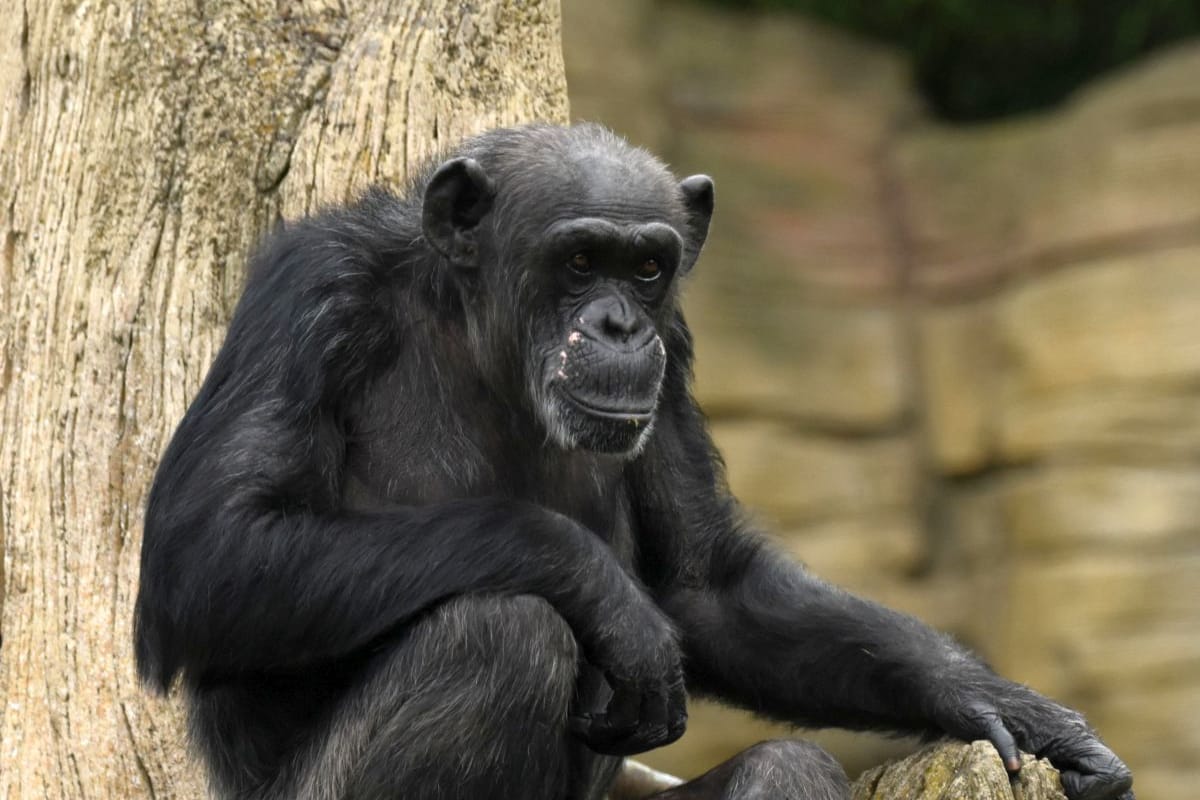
pixel 586 252
pixel 602 359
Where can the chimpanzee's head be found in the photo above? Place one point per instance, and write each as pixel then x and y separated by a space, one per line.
pixel 571 243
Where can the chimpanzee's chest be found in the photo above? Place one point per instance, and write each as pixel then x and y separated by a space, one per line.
pixel 468 445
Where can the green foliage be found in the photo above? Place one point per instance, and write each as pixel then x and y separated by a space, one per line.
pixel 976 59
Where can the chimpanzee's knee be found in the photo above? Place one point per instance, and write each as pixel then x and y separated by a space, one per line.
pixel 505 658
pixel 788 768
pixel 473 702
pixel 784 769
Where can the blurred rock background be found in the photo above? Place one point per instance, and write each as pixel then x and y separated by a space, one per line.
pixel 956 369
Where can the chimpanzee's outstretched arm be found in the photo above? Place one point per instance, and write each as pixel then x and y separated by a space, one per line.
pixel 759 630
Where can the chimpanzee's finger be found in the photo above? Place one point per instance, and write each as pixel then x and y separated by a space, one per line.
pixel 991 727
pixel 1106 786
pixel 580 725
pixel 653 729
pixel 1088 767
pixel 677 715
pixel 625 706
pixel 1005 745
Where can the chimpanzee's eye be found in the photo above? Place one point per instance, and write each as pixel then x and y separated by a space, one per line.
pixel 648 271
pixel 580 264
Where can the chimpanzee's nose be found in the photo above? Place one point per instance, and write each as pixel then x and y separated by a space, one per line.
pixel 614 320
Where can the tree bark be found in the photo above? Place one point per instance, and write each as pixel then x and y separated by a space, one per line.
pixel 144 147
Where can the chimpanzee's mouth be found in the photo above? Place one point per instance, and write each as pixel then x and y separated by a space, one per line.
pixel 638 415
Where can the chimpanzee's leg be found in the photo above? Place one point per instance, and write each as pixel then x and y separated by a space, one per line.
pixel 472 703
pixel 778 770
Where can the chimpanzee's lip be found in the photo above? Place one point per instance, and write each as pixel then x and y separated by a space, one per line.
pixel 638 415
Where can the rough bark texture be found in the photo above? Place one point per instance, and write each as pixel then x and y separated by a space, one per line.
pixel 144 146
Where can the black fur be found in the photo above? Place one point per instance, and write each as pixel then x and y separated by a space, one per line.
pixel 444 520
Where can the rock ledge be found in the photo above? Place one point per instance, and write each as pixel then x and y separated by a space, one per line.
pixel 958 772
pixel 950 771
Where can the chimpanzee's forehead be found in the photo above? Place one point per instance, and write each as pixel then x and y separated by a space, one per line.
pixel 546 172
pixel 606 185
pixel 601 185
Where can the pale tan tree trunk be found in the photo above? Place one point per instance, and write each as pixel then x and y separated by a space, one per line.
pixel 144 146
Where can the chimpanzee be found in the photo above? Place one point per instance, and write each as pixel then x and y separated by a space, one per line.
pixel 444 521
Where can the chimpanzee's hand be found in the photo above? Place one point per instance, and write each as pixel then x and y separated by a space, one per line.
pixel 633 699
pixel 1014 716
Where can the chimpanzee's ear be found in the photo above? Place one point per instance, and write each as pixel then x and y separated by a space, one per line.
pixel 458 196
pixel 698 199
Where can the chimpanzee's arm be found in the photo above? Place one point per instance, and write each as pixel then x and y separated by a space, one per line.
pixel 759 630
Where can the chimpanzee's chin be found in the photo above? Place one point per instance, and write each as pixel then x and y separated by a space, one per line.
pixel 604 427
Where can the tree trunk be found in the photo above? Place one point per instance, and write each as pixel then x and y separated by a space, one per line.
pixel 144 147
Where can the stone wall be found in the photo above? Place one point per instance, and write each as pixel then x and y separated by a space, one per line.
pixel 956 369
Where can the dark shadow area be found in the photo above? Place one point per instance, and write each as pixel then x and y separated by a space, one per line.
pixel 979 59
